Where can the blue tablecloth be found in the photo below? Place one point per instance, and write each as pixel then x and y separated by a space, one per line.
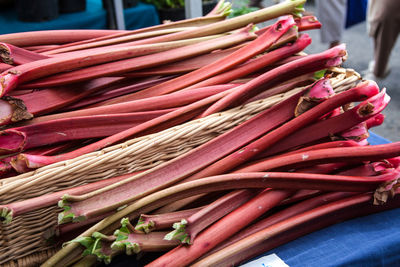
pixel 95 17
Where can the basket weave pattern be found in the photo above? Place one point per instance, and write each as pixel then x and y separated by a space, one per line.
pixel 22 242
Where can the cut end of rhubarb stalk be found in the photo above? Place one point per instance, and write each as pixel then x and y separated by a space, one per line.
pixel 8 81
pixel 388 189
pixel 144 226
pixel 5 54
pixel 179 233
pixel 6 215
pixel 94 246
pixel 317 92
pixel 374 105
pixel 13 110
pixel 26 162
pixel 11 141
pixel 340 55
pixel 121 242
pixel 67 215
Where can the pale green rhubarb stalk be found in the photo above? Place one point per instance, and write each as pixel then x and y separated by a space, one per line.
pixel 187 229
pixel 334 125
pixel 181 167
pixel 219 13
pixel 358 93
pixel 26 106
pixel 116 40
pixel 295 227
pixel 167 55
pixel 311 63
pixel 259 45
pixel 52 36
pixel 160 198
pixel 18 139
pixel 294 7
pixel 15 209
pixel 151 222
pixel 173 100
pixel 45 67
pixel 14 55
pixel 284 214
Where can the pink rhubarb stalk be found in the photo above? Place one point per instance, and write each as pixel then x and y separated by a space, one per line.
pixel 295 227
pixel 14 55
pixel 308 64
pixel 11 210
pixel 360 92
pixel 52 36
pixel 239 56
pixel 126 65
pixel 62 130
pixel 226 182
pixel 284 214
pixel 150 222
pixel 187 229
pixel 188 163
pixel 23 107
pixel 362 112
pixel 301 43
pixel 45 67
pixel 328 155
pixel 173 100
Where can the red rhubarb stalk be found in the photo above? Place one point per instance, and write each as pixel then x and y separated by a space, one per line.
pixel 190 162
pixel 115 40
pixel 62 130
pixel 45 67
pixel 52 36
pixel 212 184
pixel 360 92
pixel 364 111
pixel 308 64
pixel 176 99
pixel 224 228
pixel 294 227
pixel 115 93
pixel 239 56
pixel 284 214
pixel 328 155
pixel 301 43
pixel 9 211
pixel 22 107
pixel 14 55
pixel 187 229
pixel 131 242
pixel 150 222
pixel 138 63
pixel 193 22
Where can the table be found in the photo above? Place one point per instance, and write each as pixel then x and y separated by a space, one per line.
pixel 142 15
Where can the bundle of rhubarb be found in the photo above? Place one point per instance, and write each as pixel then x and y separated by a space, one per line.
pixel 175 137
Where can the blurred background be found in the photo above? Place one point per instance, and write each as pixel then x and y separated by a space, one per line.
pixel 30 15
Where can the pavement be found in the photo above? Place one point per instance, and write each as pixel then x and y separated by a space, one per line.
pixel 360 51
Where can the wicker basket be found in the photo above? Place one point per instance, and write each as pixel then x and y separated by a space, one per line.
pixel 24 241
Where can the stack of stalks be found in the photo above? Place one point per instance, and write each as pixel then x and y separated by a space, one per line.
pixel 199 126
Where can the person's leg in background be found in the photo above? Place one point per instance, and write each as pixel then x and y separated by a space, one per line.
pixel 332 15
pixel 384 27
